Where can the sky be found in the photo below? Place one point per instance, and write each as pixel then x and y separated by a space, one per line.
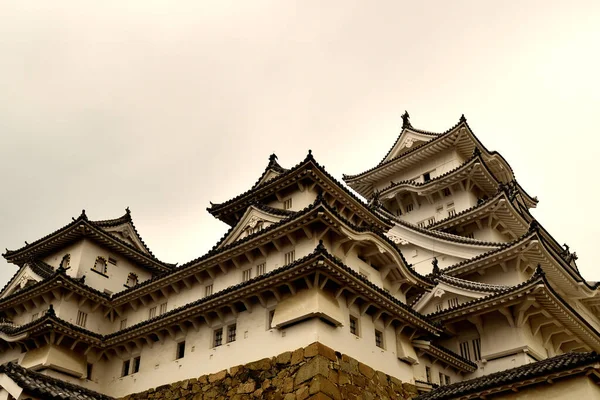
pixel 165 106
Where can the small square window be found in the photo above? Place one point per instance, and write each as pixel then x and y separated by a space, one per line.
pixel 208 290
pixel 379 339
pixel 426 176
pixel 246 275
pixel 125 368
pixel 231 333
pixel 136 364
pixel 218 337
pixel 81 318
pixel 261 269
pixel 152 312
pixel 180 350
pixel 163 309
pixel 290 256
pixel 354 325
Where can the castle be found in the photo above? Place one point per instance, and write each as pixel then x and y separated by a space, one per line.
pixel 438 277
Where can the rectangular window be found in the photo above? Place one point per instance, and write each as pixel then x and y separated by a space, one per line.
pixel 447 192
pixel 81 318
pixel 246 275
pixel 152 312
pixel 354 325
pixel 287 204
pixel 439 208
pixel 231 333
pixel 378 338
pixel 441 379
pixel 261 269
pixel 438 307
pixel 34 317
pixel 426 176
pixel 428 374
pixel 218 337
pixel 450 205
pixel 447 380
pixel 451 212
pixel 431 221
pixel 163 309
pixel 89 371
pixel 112 261
pixel 477 349
pixel 409 207
pixel 270 317
pixel 421 224
pixel 470 235
pixel 180 350
pixel 453 302
pixel 208 290
pixel 464 350
pixel 136 365
pixel 125 368
pixel 123 323
pixel 290 256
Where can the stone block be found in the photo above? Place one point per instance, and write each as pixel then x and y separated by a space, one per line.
pixel 297 356
pixel 366 370
pixel 284 358
pixel 321 384
pixel 247 387
pixel 260 365
pixel 317 365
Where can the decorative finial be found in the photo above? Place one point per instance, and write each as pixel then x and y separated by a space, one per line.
pixel 50 311
pixel 83 216
pixel 463 118
pixel 320 246
pixel 26 244
pixel 533 226
pixel 127 210
pixel 539 271
pixel 272 157
pixel 406 120
pixel 476 151
pixel 436 268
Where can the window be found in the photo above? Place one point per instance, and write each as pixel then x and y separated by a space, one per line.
pixel 261 269
pixel 132 280
pixel 231 333
pixel 81 318
pixel 112 261
pixel 89 371
pixel 447 379
pixel 136 365
pixel 450 205
pixel 270 319
pixel 208 290
pixel 378 338
pixel 447 192
pixel 100 265
pixel 431 221
pixel 451 212
pixel 409 207
pixel 180 350
pixel 218 337
pixel 438 307
pixel 453 302
pixel 470 235
pixel 354 325
pixel 246 275
pixel 163 309
pixel 152 312
pixel 477 349
pixel 123 323
pixel 65 261
pixel 464 350
pixel 421 224
pixel 441 379
pixel 426 176
pixel 290 256
pixel 439 208
pixel 428 374
pixel 34 317
pixel 125 368
pixel 287 204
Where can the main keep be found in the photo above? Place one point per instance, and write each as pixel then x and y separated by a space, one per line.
pixel 436 283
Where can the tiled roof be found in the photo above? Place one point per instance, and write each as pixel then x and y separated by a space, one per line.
pixel 532 373
pixel 122 220
pixel 46 387
pixel 272 166
pixel 38 266
pixel 469 285
pixel 95 225
pixel 448 355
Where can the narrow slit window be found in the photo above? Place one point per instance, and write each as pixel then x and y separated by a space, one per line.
pixel 261 269
pixel 152 312
pixel 180 350
pixel 123 323
pixel 208 290
pixel 477 349
pixel 441 379
pixel 409 207
pixel 90 368
pixel 290 256
pixel 246 275
pixel 464 350
pixel 287 204
pixel 428 374
pixel 163 309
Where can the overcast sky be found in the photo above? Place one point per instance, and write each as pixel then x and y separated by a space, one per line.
pixel 164 106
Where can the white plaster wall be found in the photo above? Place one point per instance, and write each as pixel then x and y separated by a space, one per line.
pixel 300 199
pixel 74 250
pixel 437 367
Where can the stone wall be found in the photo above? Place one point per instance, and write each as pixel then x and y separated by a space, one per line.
pixel 315 372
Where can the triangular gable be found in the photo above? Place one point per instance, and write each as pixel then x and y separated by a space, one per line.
pixel 443 297
pixel 273 170
pixel 407 140
pixel 252 221
pixel 128 234
pixel 24 277
pixel 267 176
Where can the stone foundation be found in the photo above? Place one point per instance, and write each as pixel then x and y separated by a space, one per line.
pixel 315 372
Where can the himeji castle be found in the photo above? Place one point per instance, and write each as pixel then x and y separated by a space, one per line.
pixel 434 282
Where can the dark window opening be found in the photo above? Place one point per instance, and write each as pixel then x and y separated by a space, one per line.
pixel 180 350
